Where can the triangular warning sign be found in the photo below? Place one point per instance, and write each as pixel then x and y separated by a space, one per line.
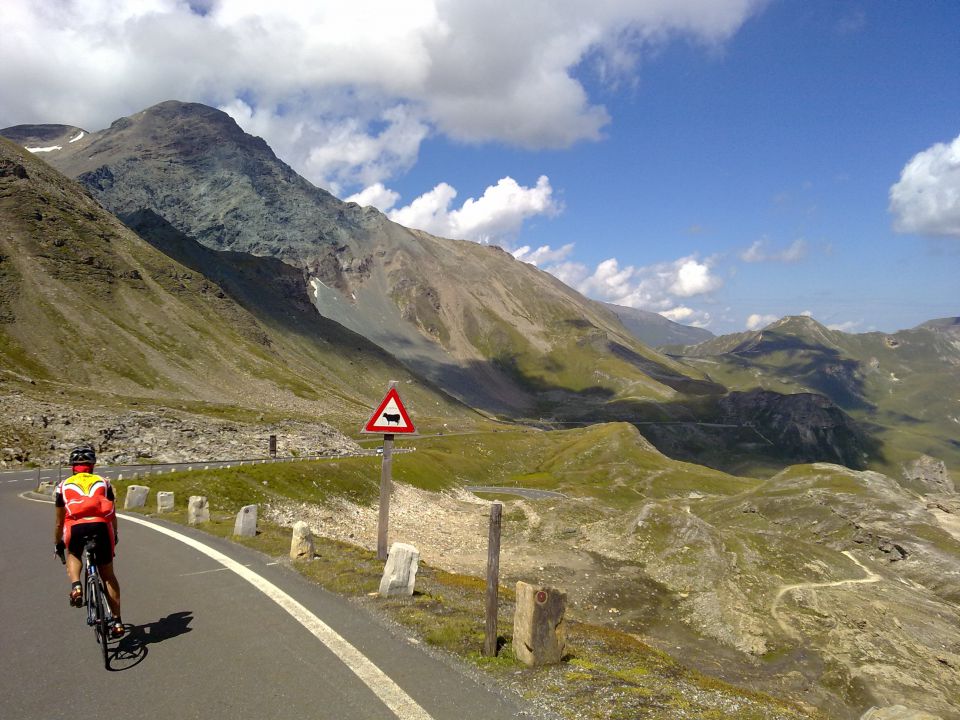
pixel 390 417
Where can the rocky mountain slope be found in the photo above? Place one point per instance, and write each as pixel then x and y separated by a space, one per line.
pixel 904 386
pixel 90 313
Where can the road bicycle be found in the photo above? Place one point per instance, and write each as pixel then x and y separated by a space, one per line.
pixel 99 616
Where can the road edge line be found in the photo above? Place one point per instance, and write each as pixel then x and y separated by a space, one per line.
pixel 390 694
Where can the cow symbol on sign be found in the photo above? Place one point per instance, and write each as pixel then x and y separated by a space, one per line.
pixel 392 419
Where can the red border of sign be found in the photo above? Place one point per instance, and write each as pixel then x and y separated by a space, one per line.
pixel 372 427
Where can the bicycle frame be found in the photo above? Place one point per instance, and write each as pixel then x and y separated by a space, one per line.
pixel 95 594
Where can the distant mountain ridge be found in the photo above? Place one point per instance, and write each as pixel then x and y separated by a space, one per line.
pixel 469 320
pixel 655 330
pixel 905 384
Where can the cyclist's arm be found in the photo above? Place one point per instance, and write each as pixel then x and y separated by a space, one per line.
pixel 112 498
pixel 58 527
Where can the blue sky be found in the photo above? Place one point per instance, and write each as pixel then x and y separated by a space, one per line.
pixel 725 162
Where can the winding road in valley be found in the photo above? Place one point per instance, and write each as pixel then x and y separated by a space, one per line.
pixel 871 577
pixel 215 631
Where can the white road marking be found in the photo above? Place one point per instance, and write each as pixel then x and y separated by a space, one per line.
pixel 204 572
pixel 391 694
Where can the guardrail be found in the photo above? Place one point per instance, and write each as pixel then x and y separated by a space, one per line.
pixel 143 469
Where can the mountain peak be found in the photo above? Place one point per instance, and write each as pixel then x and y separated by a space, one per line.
pixel 794 323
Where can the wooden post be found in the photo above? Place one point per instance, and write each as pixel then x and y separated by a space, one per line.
pixel 493 579
pixel 273 446
pixel 385 484
pixel 38 479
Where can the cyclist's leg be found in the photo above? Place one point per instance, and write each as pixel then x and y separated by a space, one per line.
pixel 74 538
pixel 112 585
pixel 74 541
pixel 74 566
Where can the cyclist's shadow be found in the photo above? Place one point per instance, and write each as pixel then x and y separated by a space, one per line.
pixel 132 647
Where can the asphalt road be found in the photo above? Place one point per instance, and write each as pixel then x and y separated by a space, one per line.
pixel 202 641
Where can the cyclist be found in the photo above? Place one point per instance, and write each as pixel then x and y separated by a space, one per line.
pixel 85 508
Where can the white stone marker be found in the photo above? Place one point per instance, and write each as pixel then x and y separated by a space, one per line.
pixel 246 524
pixel 136 496
pixel 301 545
pixel 198 510
pixel 400 573
pixel 164 502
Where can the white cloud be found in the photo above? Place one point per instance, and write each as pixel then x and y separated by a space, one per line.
pixel 694 278
pixel 926 199
pixel 495 217
pixel 677 314
pixel 344 92
pixel 653 287
pixel 757 252
pixel 543 254
pixel 757 321
pixel 430 211
pixel 848 326
pixel 376 195
pixel 687 316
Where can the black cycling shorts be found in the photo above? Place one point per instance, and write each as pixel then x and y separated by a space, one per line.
pixel 103 552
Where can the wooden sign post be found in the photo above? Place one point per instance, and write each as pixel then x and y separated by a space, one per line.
pixel 493 580
pixel 386 485
pixel 390 418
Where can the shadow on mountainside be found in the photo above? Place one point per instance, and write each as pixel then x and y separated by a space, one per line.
pixel 747 432
pixel 819 367
pixel 665 375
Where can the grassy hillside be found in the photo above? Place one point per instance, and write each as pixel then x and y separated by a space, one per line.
pixel 87 306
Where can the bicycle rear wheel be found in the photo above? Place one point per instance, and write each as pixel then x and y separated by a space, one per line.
pixel 101 627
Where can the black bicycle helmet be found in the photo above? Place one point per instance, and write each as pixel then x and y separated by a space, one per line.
pixel 83 455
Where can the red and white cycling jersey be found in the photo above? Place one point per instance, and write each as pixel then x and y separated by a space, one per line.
pixel 86 498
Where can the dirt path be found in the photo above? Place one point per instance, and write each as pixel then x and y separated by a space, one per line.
pixel 871 577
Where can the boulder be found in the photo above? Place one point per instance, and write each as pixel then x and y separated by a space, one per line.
pixel 400 573
pixel 164 502
pixel 930 474
pixel 539 631
pixel 198 510
pixel 301 545
pixel 246 523
pixel 136 497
